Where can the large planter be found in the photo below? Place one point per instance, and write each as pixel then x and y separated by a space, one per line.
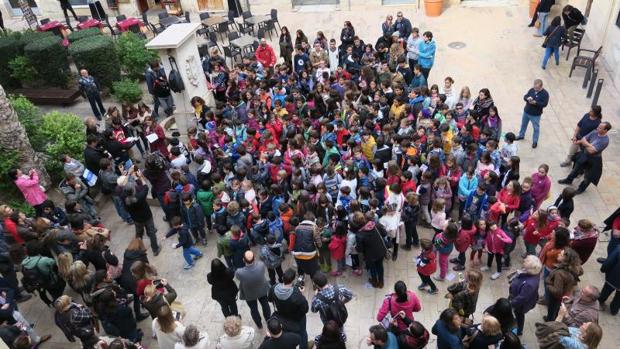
pixel 433 8
pixel 533 5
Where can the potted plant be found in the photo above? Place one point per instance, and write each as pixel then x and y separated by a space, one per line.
pixel 433 8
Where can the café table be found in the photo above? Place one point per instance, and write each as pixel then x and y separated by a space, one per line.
pixel 243 41
pixel 125 24
pixel 168 21
pixel 49 26
pixel 254 20
pixel 90 23
pixel 213 21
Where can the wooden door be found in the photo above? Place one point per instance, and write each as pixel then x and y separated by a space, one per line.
pixel 143 6
pixel 210 5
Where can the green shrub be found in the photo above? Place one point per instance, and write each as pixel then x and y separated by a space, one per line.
pixel 81 34
pixel 97 54
pixel 127 91
pixel 50 59
pixel 8 160
pixel 22 70
pixel 133 55
pixel 31 118
pixel 11 48
pixel 64 134
pixel 29 35
pixel 22 206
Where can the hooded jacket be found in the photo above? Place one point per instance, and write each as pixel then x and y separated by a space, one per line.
pixel 304 240
pixel 289 302
pixel 390 305
pixel 369 242
pixel 426 54
pixel 266 56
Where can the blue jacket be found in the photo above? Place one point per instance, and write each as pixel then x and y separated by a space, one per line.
pixel 541 98
pixel 193 216
pixel 611 268
pixel 483 206
pixel 185 239
pixel 418 81
pixel 467 186
pixel 524 292
pixel 445 338
pixel 426 57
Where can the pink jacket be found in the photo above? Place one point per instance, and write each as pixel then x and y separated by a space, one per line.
pixel 540 188
pixel 409 307
pixel 496 240
pixel 337 247
pixel 29 186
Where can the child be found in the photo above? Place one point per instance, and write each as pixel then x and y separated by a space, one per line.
pixel 351 250
pixel 467 185
pixel 477 241
pixel 424 196
pixel 205 198
pixel 444 243
pixel 271 255
pixel 463 241
pixel 337 247
pixel 537 227
pixel 438 216
pixel 391 221
pixel 442 190
pixel 426 264
pixel 411 212
pixel 495 241
pixel 476 202
pixel 194 218
pixel 325 232
pixel 464 294
pixel 513 230
pixel 564 202
pixel 509 149
pixel 219 217
pixel 344 198
pixel 190 253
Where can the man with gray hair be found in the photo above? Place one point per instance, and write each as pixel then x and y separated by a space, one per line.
pixel 583 308
pixel 536 99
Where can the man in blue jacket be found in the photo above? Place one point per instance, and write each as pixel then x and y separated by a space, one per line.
pixel 402 26
pixel 426 53
pixel 536 99
pixel 611 268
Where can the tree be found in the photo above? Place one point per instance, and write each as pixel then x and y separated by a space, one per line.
pixel 13 139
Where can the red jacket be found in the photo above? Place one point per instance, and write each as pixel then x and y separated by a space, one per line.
pixel 463 240
pixel 531 225
pixel 11 228
pixel 266 56
pixel 431 266
pixel 337 246
pixel 510 200
pixel 496 240
pixel 408 186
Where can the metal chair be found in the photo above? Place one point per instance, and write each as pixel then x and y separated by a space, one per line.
pixel 212 42
pixel 203 50
pixel 203 32
pixel 232 53
pixel 233 35
pixel 255 45
pixel 222 29
pixel 152 27
pixel 274 18
pixel 587 62
pixel 261 33
pixel 163 15
pixel 231 20
pixel 246 14
pixel 203 16
pixel 45 21
pixel 573 40
pixel 187 17
pixel 121 18
pixel 136 30
pixel 114 31
pixel 268 26
pixel 246 28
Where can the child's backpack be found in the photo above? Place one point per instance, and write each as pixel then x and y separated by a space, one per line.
pixel 335 310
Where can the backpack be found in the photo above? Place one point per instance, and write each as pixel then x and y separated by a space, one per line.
pixel 174 78
pixel 335 310
pixel 34 279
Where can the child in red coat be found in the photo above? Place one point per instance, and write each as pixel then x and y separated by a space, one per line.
pixel 337 246
pixel 462 242
pixel 427 265
pixel 495 241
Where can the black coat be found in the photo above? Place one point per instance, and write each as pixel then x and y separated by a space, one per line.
pixel 224 287
pixel 140 210
pixel 293 308
pixel 126 280
pixel 92 156
pixel 369 242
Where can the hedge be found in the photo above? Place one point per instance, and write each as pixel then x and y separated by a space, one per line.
pixel 10 48
pixel 50 60
pixel 133 54
pixel 97 54
pixel 81 34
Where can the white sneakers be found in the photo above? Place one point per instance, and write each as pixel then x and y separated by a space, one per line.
pixel 496 276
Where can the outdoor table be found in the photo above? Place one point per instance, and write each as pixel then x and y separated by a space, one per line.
pixel 90 23
pixel 50 26
pixel 125 24
pixel 213 21
pixel 254 20
pixel 243 41
pixel 168 21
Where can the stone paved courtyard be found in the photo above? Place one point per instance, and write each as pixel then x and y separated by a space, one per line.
pixel 500 54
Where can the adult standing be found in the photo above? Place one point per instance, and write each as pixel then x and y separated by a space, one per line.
pixel 133 192
pixel 235 335
pixel 152 74
pixel 536 99
pixel 523 292
pixel 369 242
pixel 134 254
pixel 286 46
pixel 291 306
pixel 303 242
pixel 572 18
pixel 402 26
pixel 387 27
pixel 582 308
pixel 224 289
pixel 611 268
pixel 544 7
pixel 588 123
pixel 160 89
pixel 562 280
pixel 325 295
pixel 29 185
pixel 401 300
pixel 109 185
pixel 346 36
pixel 612 223
pixel 65 5
pixel 448 330
pixel 426 53
pixel 590 160
pixel 265 54
pixel 277 338
pixel 413 50
pixel 554 35
pixel 75 320
pixel 93 154
pixel 253 287
pixel 90 89
pixel 167 329
pixel 158 143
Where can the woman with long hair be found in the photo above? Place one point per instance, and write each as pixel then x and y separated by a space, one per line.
pixel 301 40
pixel 554 36
pixel 168 331
pixel 223 290
pixel 481 105
pixel 346 35
pixel 159 143
pixel 562 280
pixel 135 252
pixel 286 46
pixel 401 300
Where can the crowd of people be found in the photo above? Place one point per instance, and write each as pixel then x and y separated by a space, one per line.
pixel 331 157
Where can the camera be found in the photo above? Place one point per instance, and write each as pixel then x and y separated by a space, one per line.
pixel 300 281
pixel 158 284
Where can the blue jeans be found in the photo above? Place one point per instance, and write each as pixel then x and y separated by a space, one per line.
pixel 376 270
pixel 120 209
pixel 189 252
pixel 548 52
pixel 535 119
pixel 542 17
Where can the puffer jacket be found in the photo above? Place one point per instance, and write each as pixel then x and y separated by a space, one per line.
pixel 463 240
pixel 390 305
pixel 266 56
pixel 523 292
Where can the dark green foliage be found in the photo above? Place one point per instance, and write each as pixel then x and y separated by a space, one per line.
pixel 97 54
pixel 10 48
pixel 133 55
pixel 49 58
pixel 127 91
pixel 31 118
pixel 81 34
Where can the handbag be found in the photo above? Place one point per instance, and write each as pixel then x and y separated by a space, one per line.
pixel 544 44
pixel 387 244
pixel 470 338
pixel 387 320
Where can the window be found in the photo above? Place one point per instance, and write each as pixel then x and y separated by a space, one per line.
pixel 79 2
